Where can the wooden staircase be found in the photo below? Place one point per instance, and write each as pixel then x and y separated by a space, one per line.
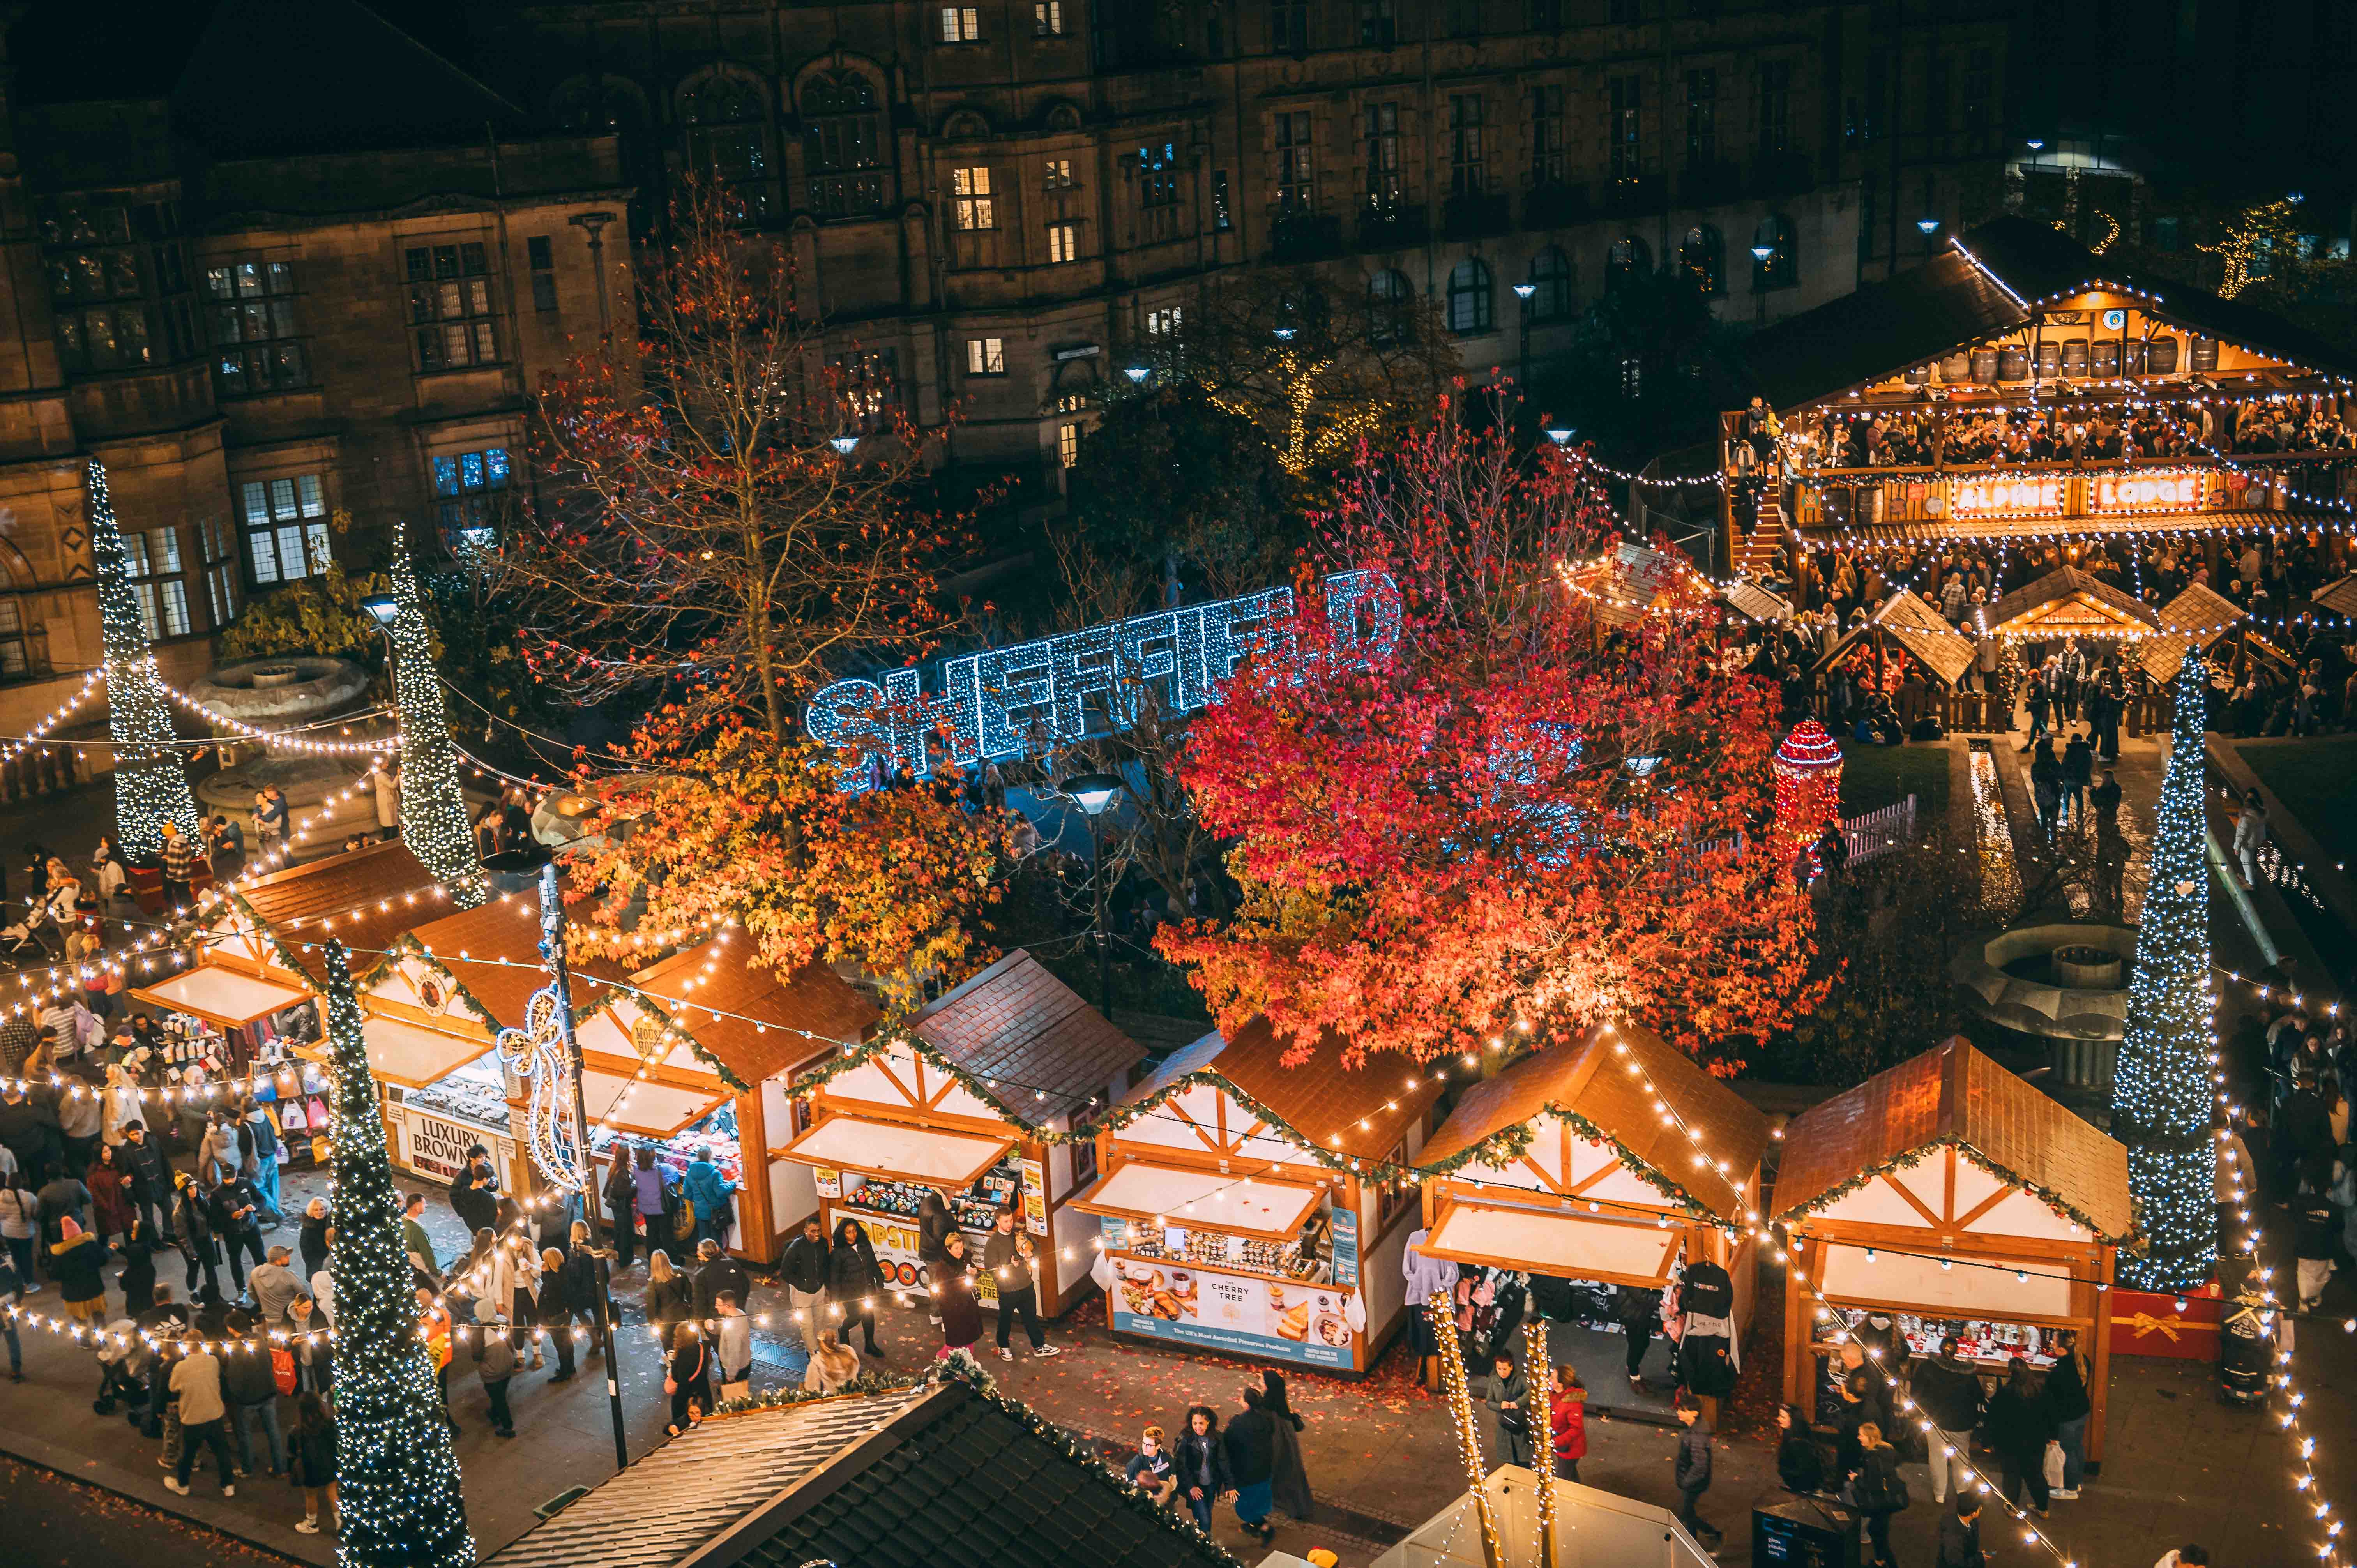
pixel 1763 551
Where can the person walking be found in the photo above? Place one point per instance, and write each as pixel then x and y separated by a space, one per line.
pixel 2068 1402
pixel 76 1261
pixel 1960 1533
pixel 2019 1427
pixel 495 1364
pixel 670 1300
pixel 622 1207
pixel 1288 1479
pixel 803 1270
pixel 434 1322
pixel 956 1295
pixel 1880 1491
pixel 311 1463
pixel 687 1377
pixel 1251 1444
pixel 1568 1420
pixel 1949 1394
pixel 250 1387
pixel 20 1226
pixel 853 1278
pixel 383 780
pixel 732 1346
pixel 1203 1464
pixel 2078 778
pixel 196 1383
pixel 2251 836
pixel 234 1209
pixel 178 860
pixel 258 1148
pixel 1152 1470
pixel 414 1242
pixel 111 1209
pixel 12 1298
pixel 2046 787
pixel 1012 1260
pixel 312 1235
pixel 276 1286
pixel 1510 1394
pixel 1692 1472
pixel 935 1225
pixel 716 1272
pixel 137 1281
pixel 1639 1313
pixel 1800 1463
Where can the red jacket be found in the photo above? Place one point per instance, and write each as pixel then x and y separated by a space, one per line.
pixel 1570 1417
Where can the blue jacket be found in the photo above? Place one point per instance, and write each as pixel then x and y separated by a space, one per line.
pixel 706 1188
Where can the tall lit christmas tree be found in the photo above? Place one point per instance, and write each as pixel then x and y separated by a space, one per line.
pixel 396 1473
pixel 150 787
pixel 2162 1094
pixel 433 813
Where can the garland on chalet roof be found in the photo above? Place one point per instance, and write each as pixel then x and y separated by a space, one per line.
pixel 1511 1142
pixel 785 1397
pixel 985 1090
pixel 1913 1157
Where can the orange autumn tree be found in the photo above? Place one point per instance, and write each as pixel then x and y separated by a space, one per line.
pixel 1534 812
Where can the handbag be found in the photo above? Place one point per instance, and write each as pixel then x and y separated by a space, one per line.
pixel 683 1226
pixel 2053 1465
pixel 281 1369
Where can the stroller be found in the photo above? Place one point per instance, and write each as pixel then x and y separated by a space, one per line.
pixel 38 935
pixel 122 1371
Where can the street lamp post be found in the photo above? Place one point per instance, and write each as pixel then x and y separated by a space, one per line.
pixel 1092 792
pixel 594 222
pixel 1928 226
pixel 1524 292
pixel 1763 254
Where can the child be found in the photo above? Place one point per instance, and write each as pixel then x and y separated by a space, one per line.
pixel 1694 1470
pixel 1151 1471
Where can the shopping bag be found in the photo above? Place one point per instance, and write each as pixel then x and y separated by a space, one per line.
pixel 2053 1467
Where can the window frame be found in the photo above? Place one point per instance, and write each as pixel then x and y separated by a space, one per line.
pixel 464 505
pixel 1048 18
pixel 1469 157
pixel 540 257
pixel 985 357
pixel 958 24
pixel 304 522
pixel 1472 281
pixel 433 329
pixel 1625 130
pixel 972 209
pixel 162 591
pixel 1064 243
pixel 1293 147
pixel 1551 296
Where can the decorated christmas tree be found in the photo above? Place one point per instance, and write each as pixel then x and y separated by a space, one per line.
pixel 398 1478
pixel 2162 1094
pixel 433 813
pixel 150 789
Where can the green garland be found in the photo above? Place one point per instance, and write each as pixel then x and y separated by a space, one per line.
pixel 1913 1157
pixel 881 1044
pixel 1511 1142
pixel 784 1397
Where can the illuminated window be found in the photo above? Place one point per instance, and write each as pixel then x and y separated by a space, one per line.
pixel 450 305
pixel 1064 243
pixel 286 527
pixel 961 24
pixel 985 357
pixel 1068 444
pixel 971 188
pixel 464 483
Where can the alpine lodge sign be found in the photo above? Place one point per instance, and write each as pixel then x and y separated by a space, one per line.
pixel 1027 699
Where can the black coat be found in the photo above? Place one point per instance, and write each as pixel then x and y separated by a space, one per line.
pixel 1951 1395
pixel 311 1455
pixel 805 1264
pixel 1203 1462
pixel 1960 1542
pixel 671 1301
pixel 2020 1426
pixel 151 1177
pixel 1800 1463
pixel 1249 1440
pixel 2066 1390
pixel 314 1242
pixel 723 1273
pixel 851 1270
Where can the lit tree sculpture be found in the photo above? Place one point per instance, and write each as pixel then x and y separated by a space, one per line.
pixel 2162 1093
pixel 398 1476
pixel 150 789
pixel 433 813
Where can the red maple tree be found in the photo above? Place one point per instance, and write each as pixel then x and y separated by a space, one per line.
pixel 1542 807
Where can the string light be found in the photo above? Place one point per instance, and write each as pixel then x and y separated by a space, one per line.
pixel 433 811
pixel 150 789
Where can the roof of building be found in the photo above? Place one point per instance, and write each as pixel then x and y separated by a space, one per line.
pixel 1361 1113
pixel 364 900
pixel 1020 1028
pixel 754 1022
pixel 1953 300
pixel 1953 1095
pixel 471 944
pixel 2200 611
pixel 1591 1080
pixel 2060 585
pixel 1919 628
pixel 1755 603
pixel 938 1474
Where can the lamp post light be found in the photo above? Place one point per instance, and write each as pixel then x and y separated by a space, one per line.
pixel 844 445
pixel 1136 374
pixel 1927 227
pixel 594 222
pixel 1762 255
pixel 1560 435
pixel 1525 292
pixel 1092 792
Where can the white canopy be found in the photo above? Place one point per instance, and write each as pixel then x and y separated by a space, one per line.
pixel 1967 1288
pixel 637 1105
pixel 409 1054
pixel 1549 1243
pixel 219 995
pixel 952 1161
pixel 1204 1199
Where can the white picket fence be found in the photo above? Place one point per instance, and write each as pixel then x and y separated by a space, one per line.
pixel 1879 832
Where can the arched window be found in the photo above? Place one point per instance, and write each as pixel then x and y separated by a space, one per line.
pixel 14 662
pixel 1702 256
pixel 1063 117
pixel 1389 296
pixel 1629 258
pixel 845 145
pixel 1781 267
pixel 1551 281
pixel 726 117
pixel 601 104
pixel 1468 297
pixel 966 125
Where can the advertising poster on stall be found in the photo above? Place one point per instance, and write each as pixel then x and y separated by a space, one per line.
pixel 1245 1315
pixel 895 1241
pixel 1035 1197
pixel 437 1147
pixel 1346 1245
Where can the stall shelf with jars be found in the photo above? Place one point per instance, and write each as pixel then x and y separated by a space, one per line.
pixel 1259 1210
pixel 1946 1192
pixel 974 1097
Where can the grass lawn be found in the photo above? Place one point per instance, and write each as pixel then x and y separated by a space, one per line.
pixel 2316 780
pixel 1874 777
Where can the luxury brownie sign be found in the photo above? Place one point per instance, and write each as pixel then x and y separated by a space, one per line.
pixel 439 1147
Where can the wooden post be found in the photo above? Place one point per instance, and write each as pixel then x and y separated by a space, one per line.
pixel 1797 1315
pixel 756 1227
pixel 1538 1360
pixel 2099 1357
pixel 1469 1435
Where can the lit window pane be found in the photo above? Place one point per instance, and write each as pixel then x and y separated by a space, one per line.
pixel 313 496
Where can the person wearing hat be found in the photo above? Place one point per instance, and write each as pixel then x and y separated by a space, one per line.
pixel 75 1258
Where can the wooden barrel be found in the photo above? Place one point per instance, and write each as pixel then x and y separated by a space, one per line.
pixel 2160 356
pixel 2012 365
pixel 2104 358
pixel 2049 360
pixel 1919 375
pixel 1956 367
pixel 1985 367
pixel 2205 353
pixel 2074 356
pixel 2132 357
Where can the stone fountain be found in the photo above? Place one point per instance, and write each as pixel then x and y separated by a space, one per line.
pixel 279 695
pixel 2064 983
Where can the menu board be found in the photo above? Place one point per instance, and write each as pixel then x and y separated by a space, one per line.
pixel 895 1241
pixel 1241 1313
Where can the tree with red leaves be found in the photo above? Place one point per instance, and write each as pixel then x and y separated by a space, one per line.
pixel 1545 806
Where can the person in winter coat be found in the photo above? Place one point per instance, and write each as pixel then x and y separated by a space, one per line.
pixel 383 781
pixel 1251 1444
pixel 75 1258
pixel 670 1300
pixel 2020 1426
pixel 621 1208
pixel 495 1363
pixel 150 1174
pixel 717 1272
pixel 935 1225
pixel 1960 1533
pixel 1800 1463
pixel 311 1463
pixel 258 1147
pixel 687 1379
pixel 109 1193
pixel 853 1278
pixel 217 1158
pixel 1568 1420
pixel 235 1211
pixel 137 1280
pixel 1510 1398
pixel 656 1198
pixel 1288 1480
pixel 956 1296
pixel 555 1305
pixel 1151 1469
pixel 1860 1406
pixel 1948 1392
pixel 803 1272
pixel 1880 1491
pixel 312 1239
pixel 1640 1315
pixel 249 1385
pixel 1012 1260
pixel 1203 1461
pixel 832 1367
pixel 192 1224
pixel 708 1191
pixel 2067 1401
pixel 1692 1472
pixel 20 1224
pixel 474 1198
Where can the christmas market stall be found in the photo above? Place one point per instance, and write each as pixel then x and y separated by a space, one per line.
pixel 1951 1197
pixel 1258 1209
pixel 1908 652
pixel 1609 1166
pixel 974 1097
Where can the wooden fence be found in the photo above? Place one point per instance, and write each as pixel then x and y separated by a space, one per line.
pixel 1879 832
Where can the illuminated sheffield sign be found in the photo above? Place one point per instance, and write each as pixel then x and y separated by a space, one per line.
pixel 1026 700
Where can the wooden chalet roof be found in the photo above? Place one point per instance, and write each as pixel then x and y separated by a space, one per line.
pixel 1362 1112
pixel 2339 595
pixel 2062 585
pixel 1954 1095
pixel 712 992
pixel 2198 608
pixel 470 944
pixel 1755 603
pixel 1589 1080
pixel 1919 628
pixel 1019 1025
pixel 364 900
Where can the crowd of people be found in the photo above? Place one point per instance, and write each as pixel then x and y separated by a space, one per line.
pixel 2291 1139
pixel 1928 435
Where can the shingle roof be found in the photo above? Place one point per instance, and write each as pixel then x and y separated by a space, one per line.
pixel 1589 1080
pixel 2198 609
pixel 294 903
pixel 2063 584
pixel 1019 1024
pixel 942 1477
pixel 509 931
pixel 814 999
pixel 1321 1099
pixel 1917 627
pixel 1954 1095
